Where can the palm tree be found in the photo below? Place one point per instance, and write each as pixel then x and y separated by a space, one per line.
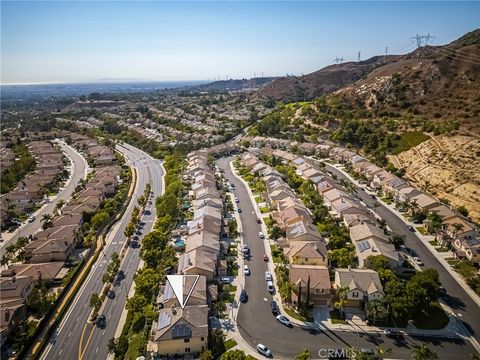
pixel 342 299
pixel 304 355
pixel 434 222
pixel 60 204
pixel 286 291
pixel 423 352
pixel 383 352
pixel 457 227
pixel 47 221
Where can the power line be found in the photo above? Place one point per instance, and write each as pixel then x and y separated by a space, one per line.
pixel 386 50
pixel 422 40
pixel 338 60
pixel 358 56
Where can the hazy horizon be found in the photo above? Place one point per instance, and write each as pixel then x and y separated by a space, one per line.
pixel 81 42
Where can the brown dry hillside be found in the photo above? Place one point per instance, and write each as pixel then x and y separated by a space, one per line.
pixel 434 82
pixel 323 81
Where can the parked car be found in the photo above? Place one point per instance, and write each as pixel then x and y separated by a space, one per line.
pixel 237 200
pixel 411 228
pixel 270 287
pixel 31 219
pixel 265 258
pixel 260 235
pixel 262 349
pixel 239 210
pixel 245 249
pixel 268 276
pixel 392 333
pixel 275 309
pixel 243 296
pixel 246 270
pixel 284 320
pixel 259 221
pixel 225 280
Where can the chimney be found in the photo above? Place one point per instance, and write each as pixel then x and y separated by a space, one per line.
pixel 174 310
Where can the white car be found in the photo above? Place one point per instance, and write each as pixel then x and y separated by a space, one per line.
pixel 418 261
pixel 270 287
pixel 31 219
pixel 283 320
pixel 237 200
pixel 260 235
pixel 262 349
pixel 246 270
pixel 268 276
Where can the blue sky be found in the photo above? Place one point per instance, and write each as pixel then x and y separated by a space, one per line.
pixel 66 41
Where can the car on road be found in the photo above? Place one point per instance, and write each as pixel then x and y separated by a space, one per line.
pixel 392 333
pixel 101 321
pixel 284 320
pixel 225 280
pixel 417 261
pixel 246 270
pixel 259 221
pixel 237 200
pixel 146 212
pixel 268 276
pixel 373 196
pixel 239 210
pixel 111 294
pixel 265 351
pixel 243 296
pixel 135 238
pixel 270 287
pixel 411 228
pixel 31 219
pixel 275 309
pixel 245 249
pixel 260 235
pixel 265 258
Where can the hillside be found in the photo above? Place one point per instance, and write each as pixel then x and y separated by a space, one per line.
pixel 236 85
pixel 431 82
pixel 323 81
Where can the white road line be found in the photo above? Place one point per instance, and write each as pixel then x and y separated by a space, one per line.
pixel 60 352
pixel 103 332
pixel 109 316
pixel 96 351
pixel 70 333
pixel 78 317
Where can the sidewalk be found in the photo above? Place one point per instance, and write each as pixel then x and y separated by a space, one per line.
pixel 454 329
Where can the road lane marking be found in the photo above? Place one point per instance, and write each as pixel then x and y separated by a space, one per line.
pixel 86 344
pixel 60 352
pixel 96 351
pixel 70 333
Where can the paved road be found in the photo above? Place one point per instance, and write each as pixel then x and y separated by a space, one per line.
pixel 257 324
pixel 75 338
pixel 457 298
pixel 79 167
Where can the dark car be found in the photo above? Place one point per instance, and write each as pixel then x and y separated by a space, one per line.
pixel 147 212
pixel 392 333
pixel 101 321
pixel 243 296
pixel 411 228
pixel 259 221
pixel 239 210
pixel 275 309
pixel 111 294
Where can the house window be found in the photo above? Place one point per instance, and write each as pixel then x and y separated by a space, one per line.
pixel 186 340
pixel 317 291
pixel 187 350
pixel 355 294
pixel 201 338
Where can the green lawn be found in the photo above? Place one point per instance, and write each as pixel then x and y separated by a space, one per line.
pixel 296 315
pixel 336 318
pixel 264 209
pixel 433 243
pixel 258 199
pixel 230 343
pixel 408 140
pixel 422 230
pixel 433 318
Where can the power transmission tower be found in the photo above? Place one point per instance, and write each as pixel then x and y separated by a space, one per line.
pixel 386 50
pixel 358 57
pixel 338 60
pixel 422 40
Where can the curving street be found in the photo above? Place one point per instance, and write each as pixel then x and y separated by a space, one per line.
pixel 78 171
pixel 75 338
pixel 257 324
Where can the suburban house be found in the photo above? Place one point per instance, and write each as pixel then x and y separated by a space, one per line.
pixel 405 194
pixel 181 328
pixel 361 286
pixel 312 278
pixel 423 202
pixel 306 253
pixel 468 247
pixel 303 230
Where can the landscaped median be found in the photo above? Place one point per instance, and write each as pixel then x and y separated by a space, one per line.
pixel 53 319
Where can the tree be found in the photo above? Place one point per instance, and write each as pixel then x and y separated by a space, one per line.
pixel 342 299
pixel 99 218
pixel 423 352
pixel 341 258
pixel 434 222
pixel 122 346
pixel 95 301
pixel 304 355
pixel 398 240
pixel 463 210
pixel 129 230
pixel 424 287
pixel 60 204
pixel 40 300
pixel 47 221
pixel 136 303
pixel 206 355
pixel 299 297
pixel 307 297
pixel 112 345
